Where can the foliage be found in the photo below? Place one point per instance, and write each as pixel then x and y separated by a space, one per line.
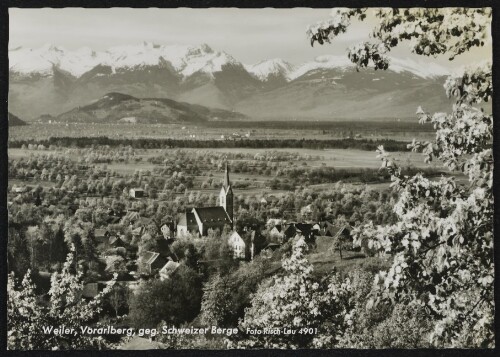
pixel 155 143
pixel 225 297
pixel 27 317
pixel 297 300
pixel 217 252
pixel 387 326
pixel 175 300
pixel 443 240
pixel 430 31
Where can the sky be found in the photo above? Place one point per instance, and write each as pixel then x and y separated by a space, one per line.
pixel 249 35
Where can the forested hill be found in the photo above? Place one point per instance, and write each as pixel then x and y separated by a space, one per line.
pixel 122 108
pixel 15 121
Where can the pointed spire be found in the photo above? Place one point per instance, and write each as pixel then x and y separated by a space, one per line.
pixel 226 177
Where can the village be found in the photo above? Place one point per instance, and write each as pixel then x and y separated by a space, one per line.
pixel 198 224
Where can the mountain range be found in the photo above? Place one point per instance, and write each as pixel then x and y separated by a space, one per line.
pixel 52 80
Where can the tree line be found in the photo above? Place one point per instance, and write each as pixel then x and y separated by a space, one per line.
pixel 318 144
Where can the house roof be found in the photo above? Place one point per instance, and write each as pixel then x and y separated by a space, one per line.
pixel 138 231
pixel 132 216
pixel 272 246
pixel 341 229
pixel 236 235
pixel 212 214
pixel 304 227
pixel 137 189
pixel 278 227
pixel 150 257
pixel 116 240
pixel 169 268
pixel 168 224
pixel 100 232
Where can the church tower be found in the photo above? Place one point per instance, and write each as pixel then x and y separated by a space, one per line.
pixel 226 194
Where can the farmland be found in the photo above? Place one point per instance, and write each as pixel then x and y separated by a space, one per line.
pixel 403 131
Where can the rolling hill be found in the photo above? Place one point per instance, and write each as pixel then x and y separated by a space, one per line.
pixel 124 108
pixel 15 121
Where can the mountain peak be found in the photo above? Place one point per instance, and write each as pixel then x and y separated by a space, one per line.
pixel 49 47
pixel 271 67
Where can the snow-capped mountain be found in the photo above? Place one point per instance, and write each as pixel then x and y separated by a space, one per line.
pixel 268 68
pixel 420 69
pixel 186 60
pixel 54 79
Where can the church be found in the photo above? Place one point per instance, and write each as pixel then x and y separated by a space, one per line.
pixel 199 220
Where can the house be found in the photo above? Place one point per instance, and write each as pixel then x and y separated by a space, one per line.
pixel 168 269
pixel 136 193
pixel 305 230
pixel 187 224
pixel 238 245
pixel 276 232
pixel 271 222
pixel 168 230
pixel 101 235
pixel 343 231
pixel 138 231
pixel 270 248
pixel 117 241
pixel 152 262
pixel 289 231
pixel 19 189
pixel 131 217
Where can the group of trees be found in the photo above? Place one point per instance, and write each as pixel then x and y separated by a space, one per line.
pixel 442 243
pixel 82 142
pixel 28 317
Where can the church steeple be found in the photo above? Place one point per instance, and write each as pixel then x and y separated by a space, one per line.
pixel 226 194
pixel 227 183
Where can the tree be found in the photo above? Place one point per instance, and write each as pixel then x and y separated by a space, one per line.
pixel 218 253
pixel 443 241
pixel 27 318
pixel 175 300
pixel 117 298
pixel 18 254
pixel 225 297
pixel 115 264
pixel 297 300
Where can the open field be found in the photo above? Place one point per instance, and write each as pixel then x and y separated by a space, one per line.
pixel 337 158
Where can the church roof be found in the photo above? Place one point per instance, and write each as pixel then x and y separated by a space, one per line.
pixel 187 218
pixel 212 214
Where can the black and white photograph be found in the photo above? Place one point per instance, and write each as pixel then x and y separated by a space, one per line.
pixel 228 178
